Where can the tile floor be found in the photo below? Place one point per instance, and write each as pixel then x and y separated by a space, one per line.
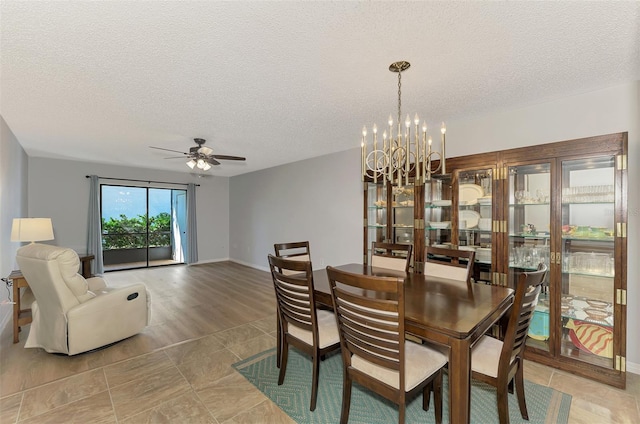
pixel 182 374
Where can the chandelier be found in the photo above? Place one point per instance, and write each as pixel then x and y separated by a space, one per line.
pixel 405 154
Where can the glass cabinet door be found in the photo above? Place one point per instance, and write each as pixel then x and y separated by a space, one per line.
pixel 376 215
pixel 437 212
pixel 587 258
pixel 529 232
pixel 402 214
pixel 475 216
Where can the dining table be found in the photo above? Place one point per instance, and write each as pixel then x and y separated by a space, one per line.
pixel 446 312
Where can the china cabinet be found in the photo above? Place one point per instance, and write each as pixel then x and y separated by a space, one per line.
pixel 389 215
pixel 562 204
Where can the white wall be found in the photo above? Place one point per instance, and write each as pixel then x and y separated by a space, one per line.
pixel 320 199
pixel 13 203
pixel 59 190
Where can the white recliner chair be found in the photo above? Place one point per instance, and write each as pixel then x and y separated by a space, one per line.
pixel 72 314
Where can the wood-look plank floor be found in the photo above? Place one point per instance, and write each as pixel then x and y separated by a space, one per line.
pixel 204 318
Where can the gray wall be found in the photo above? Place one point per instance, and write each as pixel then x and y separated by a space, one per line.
pixel 320 199
pixel 13 203
pixel 58 189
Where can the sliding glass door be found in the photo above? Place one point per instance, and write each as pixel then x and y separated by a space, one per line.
pixel 142 227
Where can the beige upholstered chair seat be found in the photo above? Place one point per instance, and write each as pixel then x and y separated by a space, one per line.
pixel 327 330
pixel 485 356
pixel 420 363
pixel 72 314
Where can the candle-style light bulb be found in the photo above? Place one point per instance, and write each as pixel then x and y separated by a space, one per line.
pixel 424 126
pixel 384 136
pixel 375 129
pixel 390 120
pixel 407 122
pixel 443 128
pixel 364 131
pixel 430 141
pixel 416 120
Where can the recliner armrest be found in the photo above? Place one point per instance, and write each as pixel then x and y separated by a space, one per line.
pixel 96 283
pixel 108 300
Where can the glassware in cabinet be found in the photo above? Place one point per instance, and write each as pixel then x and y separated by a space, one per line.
pixel 402 214
pixel 376 215
pixel 437 211
pixel 529 237
pixel 587 257
pixel 475 217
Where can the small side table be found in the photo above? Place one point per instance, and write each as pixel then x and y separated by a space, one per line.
pixel 85 264
pixel 20 316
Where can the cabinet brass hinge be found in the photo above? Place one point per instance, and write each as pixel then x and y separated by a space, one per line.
pixel 366 223
pixel 495 279
pixel 504 226
pixel 365 259
pixel 552 257
pixel 621 162
pixel 621 297
pixel 418 224
pixel 558 258
pixel 505 172
pixel 621 229
pixel 621 363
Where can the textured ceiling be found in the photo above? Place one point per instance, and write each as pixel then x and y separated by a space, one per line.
pixel 283 81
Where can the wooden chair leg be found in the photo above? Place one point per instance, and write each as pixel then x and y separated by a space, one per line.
pixel 346 398
pixel 426 396
pixel 283 364
pixel 314 381
pixel 279 346
pixel 503 404
pixel 522 403
pixel 401 412
pixel 437 396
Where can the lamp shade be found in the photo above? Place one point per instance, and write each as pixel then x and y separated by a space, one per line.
pixel 31 229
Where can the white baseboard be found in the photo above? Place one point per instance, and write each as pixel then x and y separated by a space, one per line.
pixel 250 265
pixel 633 368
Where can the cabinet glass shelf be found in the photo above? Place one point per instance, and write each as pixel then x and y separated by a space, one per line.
pixel 596 239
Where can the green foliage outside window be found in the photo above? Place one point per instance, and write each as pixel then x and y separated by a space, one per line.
pixel 128 233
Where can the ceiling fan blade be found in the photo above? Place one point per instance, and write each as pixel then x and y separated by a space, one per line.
pixel 212 161
pixel 169 150
pixel 225 157
pixel 175 157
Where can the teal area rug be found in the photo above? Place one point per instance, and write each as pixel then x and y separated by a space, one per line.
pixel 545 405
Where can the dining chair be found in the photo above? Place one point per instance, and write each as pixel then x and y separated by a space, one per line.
pixel 391 255
pixel 455 264
pixel 313 331
pixel 375 353
pixel 497 362
pixel 294 251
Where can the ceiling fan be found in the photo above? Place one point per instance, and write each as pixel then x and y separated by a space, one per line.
pixel 200 156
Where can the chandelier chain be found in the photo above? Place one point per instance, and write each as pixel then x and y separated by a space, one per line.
pixel 399 97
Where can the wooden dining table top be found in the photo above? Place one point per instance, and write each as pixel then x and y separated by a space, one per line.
pixel 449 307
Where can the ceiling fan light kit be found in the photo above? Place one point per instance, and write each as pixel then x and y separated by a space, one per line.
pixel 200 156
